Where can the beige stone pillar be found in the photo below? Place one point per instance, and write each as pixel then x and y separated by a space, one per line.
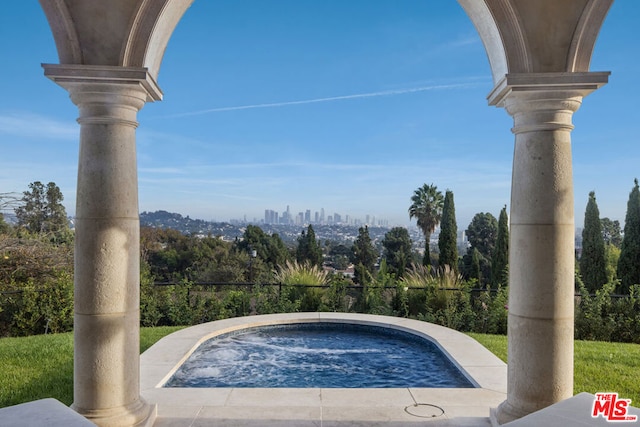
pixel 541 248
pixel 107 276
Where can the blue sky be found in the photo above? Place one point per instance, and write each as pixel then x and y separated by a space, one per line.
pixel 343 105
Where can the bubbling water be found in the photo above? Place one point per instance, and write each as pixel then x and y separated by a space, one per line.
pixel 326 355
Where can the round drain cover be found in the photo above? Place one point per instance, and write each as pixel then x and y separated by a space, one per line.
pixel 424 410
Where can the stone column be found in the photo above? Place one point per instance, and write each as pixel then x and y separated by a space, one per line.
pixel 107 239
pixel 542 229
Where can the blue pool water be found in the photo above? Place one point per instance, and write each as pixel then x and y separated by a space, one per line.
pixel 326 355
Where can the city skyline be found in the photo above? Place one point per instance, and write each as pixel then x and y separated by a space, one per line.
pixel 346 105
pixel 319 217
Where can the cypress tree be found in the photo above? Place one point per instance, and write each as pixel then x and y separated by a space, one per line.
pixel 364 255
pixel 500 260
pixel 592 262
pixel 629 262
pixel 476 271
pixel 308 248
pixel 447 241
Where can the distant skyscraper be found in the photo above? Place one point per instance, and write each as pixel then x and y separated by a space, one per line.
pixel 286 217
pixel 307 216
pixel 270 216
pixel 317 217
pixel 337 218
pixel 322 216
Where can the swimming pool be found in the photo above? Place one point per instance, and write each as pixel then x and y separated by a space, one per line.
pixel 319 355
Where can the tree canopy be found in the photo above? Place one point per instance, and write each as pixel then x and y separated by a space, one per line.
pixel 269 249
pixel 41 210
pixel 500 259
pixel 628 265
pixel 364 255
pixel 308 248
pixel 481 233
pixel 448 239
pixel 592 260
pixel 611 232
pixel 426 206
pixel 397 250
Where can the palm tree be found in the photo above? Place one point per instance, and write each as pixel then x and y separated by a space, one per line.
pixel 426 207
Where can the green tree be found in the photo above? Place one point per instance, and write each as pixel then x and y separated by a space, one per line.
pixel 481 233
pixel 475 267
pixel 254 239
pixel 611 232
pixel 628 264
pixel 611 256
pixel 278 252
pixel 340 255
pixel 447 241
pixel 269 249
pixel 308 248
pixel 364 255
pixel 592 262
pixel 41 210
pixel 426 206
pixel 397 250
pixel 500 259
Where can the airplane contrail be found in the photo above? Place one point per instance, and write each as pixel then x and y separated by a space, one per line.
pixel 317 100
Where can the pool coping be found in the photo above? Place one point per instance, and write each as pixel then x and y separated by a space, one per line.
pixel 482 367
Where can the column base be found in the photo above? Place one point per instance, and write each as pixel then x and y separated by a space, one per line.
pixel 138 414
pixel 505 413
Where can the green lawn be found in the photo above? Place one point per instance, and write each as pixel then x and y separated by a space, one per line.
pixel 42 366
pixel 598 366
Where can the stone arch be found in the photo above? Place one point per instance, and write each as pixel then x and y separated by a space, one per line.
pixel 148 38
pixel 519 36
pixel 545 36
pixel 500 57
pixel 132 34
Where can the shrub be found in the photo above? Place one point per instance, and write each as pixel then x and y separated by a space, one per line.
pixel 271 299
pixel 447 296
pixel 294 274
pixel 418 281
pixel 335 297
pixel 39 309
pixel 592 321
pixel 491 311
pixel 374 298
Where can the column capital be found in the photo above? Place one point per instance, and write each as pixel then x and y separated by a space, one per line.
pixel 574 84
pixel 106 94
pixel 73 76
pixel 544 101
